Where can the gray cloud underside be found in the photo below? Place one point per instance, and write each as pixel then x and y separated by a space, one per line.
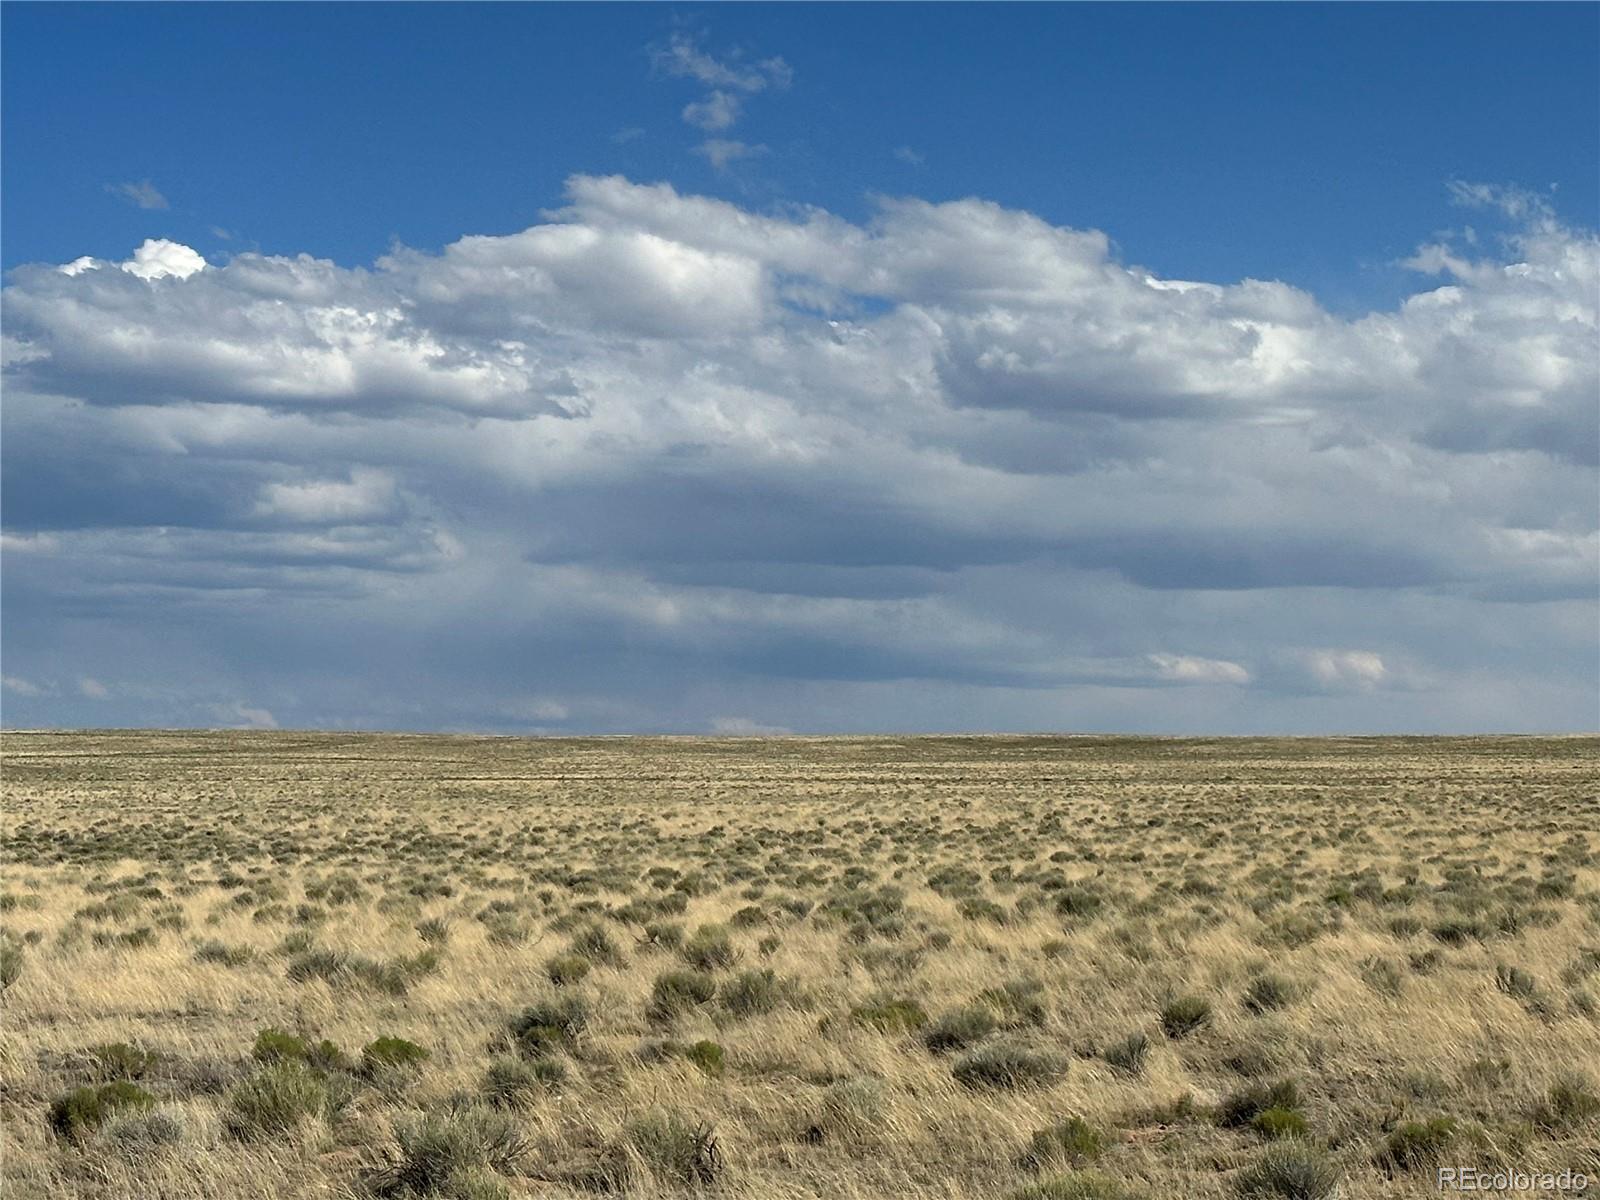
pixel 663 462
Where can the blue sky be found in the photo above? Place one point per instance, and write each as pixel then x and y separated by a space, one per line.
pixel 1309 143
pixel 508 367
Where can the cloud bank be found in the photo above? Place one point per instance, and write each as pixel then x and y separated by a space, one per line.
pixel 661 458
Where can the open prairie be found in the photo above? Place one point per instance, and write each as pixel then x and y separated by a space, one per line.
pixel 307 965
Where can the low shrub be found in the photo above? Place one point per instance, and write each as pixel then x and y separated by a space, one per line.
pixel 548 1025
pixel 1275 1123
pixel 388 1054
pixel 222 954
pixel 1075 1185
pixel 960 1029
pixel 676 992
pixel 1071 1143
pixel 1568 1103
pixel 274 1045
pixel 1185 1015
pixel 565 969
pixel 85 1109
pixel 1417 1144
pixel 709 1056
pixel 1009 1063
pixel 1269 992
pixel 709 949
pixel 1245 1105
pixel 1127 1056
pixel 519 1083
pixel 1289 1171
pixel 275 1101
pixel 676 1148
pixel 137 1132
pixel 456 1152
pixel 890 1016
pixel 120 1060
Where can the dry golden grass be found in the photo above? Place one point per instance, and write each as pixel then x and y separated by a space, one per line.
pixel 1426 910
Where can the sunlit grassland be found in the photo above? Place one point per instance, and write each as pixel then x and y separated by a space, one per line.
pixel 294 965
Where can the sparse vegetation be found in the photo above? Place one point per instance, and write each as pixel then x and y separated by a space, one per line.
pixel 1080 969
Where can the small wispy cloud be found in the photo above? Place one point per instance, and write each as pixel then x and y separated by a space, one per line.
pixel 717 111
pixel 1339 670
pixel 631 134
pixel 907 155
pixel 143 193
pixel 720 152
pixel 682 58
pixel 745 727
pixel 17 685
pixel 240 715
pixel 28 543
pixel 1186 668
pixel 730 80
pixel 93 689
pixel 1518 203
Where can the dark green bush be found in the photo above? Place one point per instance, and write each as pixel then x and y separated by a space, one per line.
pixel 385 1054
pixel 87 1108
pixel 274 1045
pixel 1274 1123
pixel 890 1016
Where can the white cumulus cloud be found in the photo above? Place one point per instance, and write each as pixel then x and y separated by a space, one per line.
pixel 158 258
pixel 685 457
